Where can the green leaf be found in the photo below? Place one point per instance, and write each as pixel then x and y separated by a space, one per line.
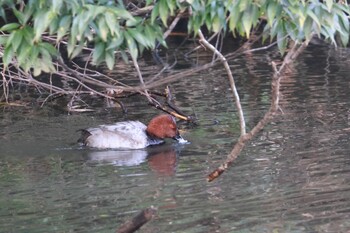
pixel 23 54
pixel 159 35
pixel 19 15
pixel 138 35
pixel 301 15
pixel 344 37
pixel 102 28
pixel 115 42
pixel 329 4
pixel 37 68
pixel 111 22
pixel 133 22
pixel 315 19
pixel 57 5
pixel 53 27
pixel 45 55
pixel 71 45
pixel 255 14
pixel 124 56
pixel 17 39
pixel 291 30
pixel 131 45
pixel 122 13
pixel 244 4
pixel 110 60
pixel 171 6
pixel 49 48
pixel 216 24
pixel 10 39
pixel 10 27
pixel 271 12
pixel 34 54
pixel 209 22
pixel 41 22
pixel 7 56
pixel 247 20
pixel 28 34
pixel 274 29
pixel 344 22
pixel 212 10
pixel 163 11
pixel 27 14
pixel 3 39
pixel 46 65
pixel 265 34
pixel 2 14
pixel 150 33
pixel 234 17
pixel 308 28
pixel 83 21
pixel 77 49
pixel 155 13
pixel 98 53
pixel 89 33
pixel 64 26
pixel 282 40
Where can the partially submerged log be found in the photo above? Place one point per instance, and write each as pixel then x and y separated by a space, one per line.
pixel 137 221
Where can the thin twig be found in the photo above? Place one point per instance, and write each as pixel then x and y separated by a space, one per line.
pixel 138 71
pixel 173 24
pixel 231 79
pixel 200 46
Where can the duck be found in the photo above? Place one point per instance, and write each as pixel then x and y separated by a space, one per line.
pixel 132 134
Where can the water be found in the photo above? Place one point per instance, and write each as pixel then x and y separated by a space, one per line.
pixel 293 177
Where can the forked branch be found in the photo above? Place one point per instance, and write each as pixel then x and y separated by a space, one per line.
pixel 275 93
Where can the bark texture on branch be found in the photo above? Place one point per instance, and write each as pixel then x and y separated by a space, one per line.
pixel 138 221
pixel 292 54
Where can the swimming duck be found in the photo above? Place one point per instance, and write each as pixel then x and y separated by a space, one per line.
pixel 132 134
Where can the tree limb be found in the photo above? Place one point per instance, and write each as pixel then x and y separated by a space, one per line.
pixel 138 221
pixel 275 93
pixel 231 79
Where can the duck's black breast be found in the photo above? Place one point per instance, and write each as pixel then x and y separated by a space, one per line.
pixel 84 136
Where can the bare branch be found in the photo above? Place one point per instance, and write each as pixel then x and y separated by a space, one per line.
pixel 173 24
pixel 138 221
pixel 275 93
pixel 231 79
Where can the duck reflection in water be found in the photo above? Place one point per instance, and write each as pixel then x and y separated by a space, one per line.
pixel 161 159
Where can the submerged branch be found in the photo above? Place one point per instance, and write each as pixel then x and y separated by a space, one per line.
pixel 138 221
pixel 275 93
pixel 156 103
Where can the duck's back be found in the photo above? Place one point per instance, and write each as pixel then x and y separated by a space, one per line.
pixel 129 134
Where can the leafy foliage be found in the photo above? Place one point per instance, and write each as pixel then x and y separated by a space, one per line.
pixel 108 28
pixel 284 19
pixel 105 26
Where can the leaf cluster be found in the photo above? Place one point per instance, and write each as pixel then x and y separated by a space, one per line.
pixel 284 20
pixel 105 26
